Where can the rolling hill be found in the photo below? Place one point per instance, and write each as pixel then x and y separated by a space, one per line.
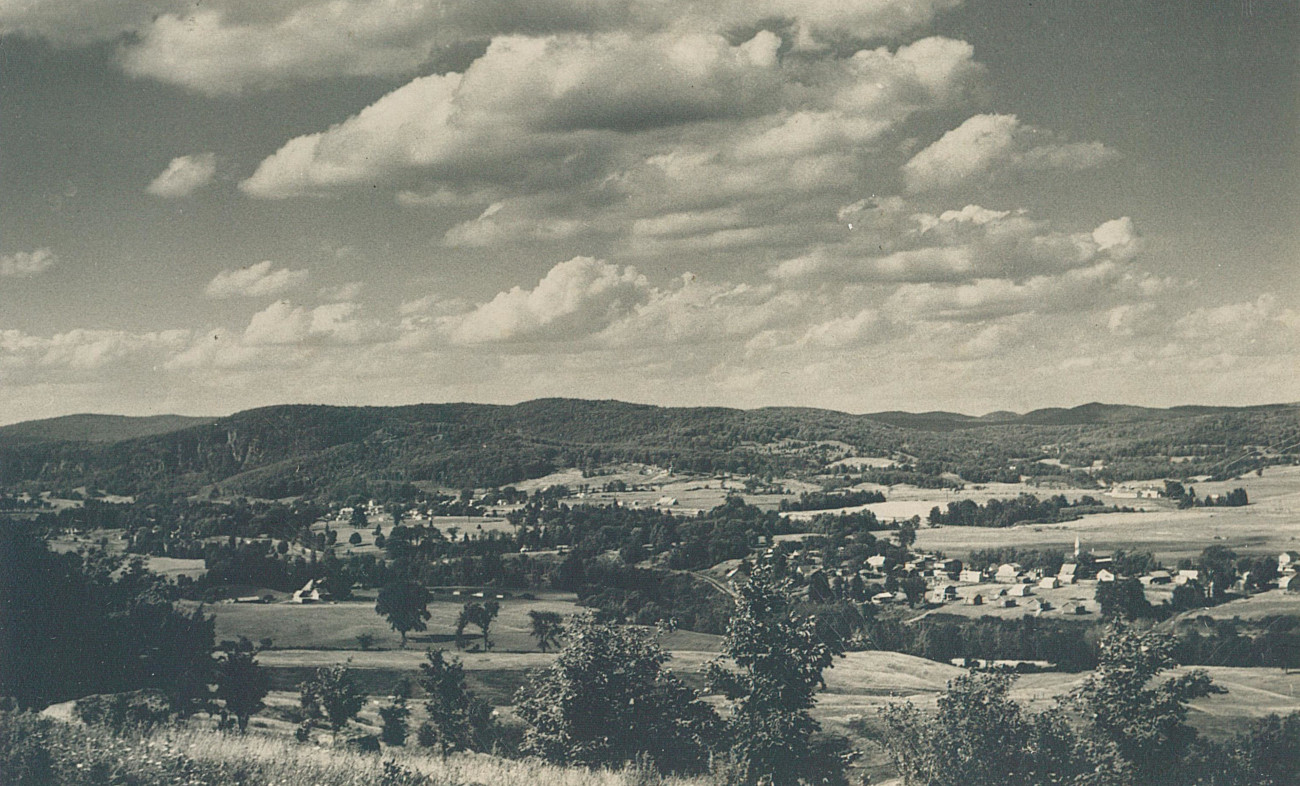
pixel 94 428
pixel 294 449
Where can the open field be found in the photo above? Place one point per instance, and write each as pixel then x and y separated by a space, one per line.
pixel 1273 603
pixel 1269 525
pixel 337 625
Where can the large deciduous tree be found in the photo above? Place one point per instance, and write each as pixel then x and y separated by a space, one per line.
pixel 405 603
pixel 607 700
pixel 1126 707
pixel 241 682
pixel 778 661
pixel 547 628
pixel 458 720
pixel 332 696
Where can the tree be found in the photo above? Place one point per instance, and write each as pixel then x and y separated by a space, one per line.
pixel 1123 599
pixel 906 534
pixel 77 624
pixel 607 700
pixel 355 539
pixel 479 615
pixel 333 696
pixel 1218 570
pixel 359 520
pixel 1145 722
pixel 980 737
pixel 779 661
pixel 394 715
pixel 458 720
pixel 548 626
pixel 241 682
pixel 405 603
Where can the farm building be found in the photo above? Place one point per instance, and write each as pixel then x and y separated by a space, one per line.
pixel 1288 560
pixel 1051 582
pixel 969 576
pixel 311 592
pixel 1021 591
pixel 943 594
pixel 1187 576
pixel 876 562
pixel 1105 575
pixel 1008 573
pixel 975 600
pixel 1289 583
pixel 1156 577
pixel 1068 573
pixel 882 598
pixel 1074 607
pixel 1006 603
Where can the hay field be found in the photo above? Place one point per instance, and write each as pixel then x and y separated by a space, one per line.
pixel 1270 524
pixel 337 625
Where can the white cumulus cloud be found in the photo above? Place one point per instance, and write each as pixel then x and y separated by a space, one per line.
pixel 259 280
pixel 574 299
pixel 184 175
pixel 990 144
pixel 24 264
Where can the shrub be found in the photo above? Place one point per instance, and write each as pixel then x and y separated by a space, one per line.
pixel 25 758
pixel 124 711
pixel 608 701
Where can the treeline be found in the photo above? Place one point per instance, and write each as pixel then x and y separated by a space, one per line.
pixel 820 500
pixel 1125 724
pixel 75 624
pixel 1009 512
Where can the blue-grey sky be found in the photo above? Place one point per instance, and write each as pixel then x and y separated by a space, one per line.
pixel 885 204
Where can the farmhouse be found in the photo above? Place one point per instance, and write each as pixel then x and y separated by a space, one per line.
pixel 311 592
pixel 944 594
pixel 1008 573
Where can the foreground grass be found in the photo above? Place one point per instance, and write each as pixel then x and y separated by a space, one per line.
pixel 39 752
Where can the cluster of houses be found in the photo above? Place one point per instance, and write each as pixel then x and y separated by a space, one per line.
pixel 1008 585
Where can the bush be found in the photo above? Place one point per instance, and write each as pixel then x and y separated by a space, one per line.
pixel 608 701
pixel 119 712
pixel 25 758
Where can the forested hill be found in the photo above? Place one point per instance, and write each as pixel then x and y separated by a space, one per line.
pixel 286 450
pixel 94 428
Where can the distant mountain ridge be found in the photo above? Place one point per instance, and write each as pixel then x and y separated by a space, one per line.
pixel 288 450
pixel 88 427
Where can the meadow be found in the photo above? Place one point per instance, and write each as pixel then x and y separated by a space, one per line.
pixel 1269 525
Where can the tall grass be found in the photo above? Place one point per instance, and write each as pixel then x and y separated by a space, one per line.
pixel 38 751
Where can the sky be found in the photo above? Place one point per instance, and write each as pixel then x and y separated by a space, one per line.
pixel 970 205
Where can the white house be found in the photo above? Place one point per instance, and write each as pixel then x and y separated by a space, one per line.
pixel 1008 573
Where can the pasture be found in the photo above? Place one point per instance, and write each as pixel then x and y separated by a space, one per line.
pixel 1269 525
pixel 337 625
